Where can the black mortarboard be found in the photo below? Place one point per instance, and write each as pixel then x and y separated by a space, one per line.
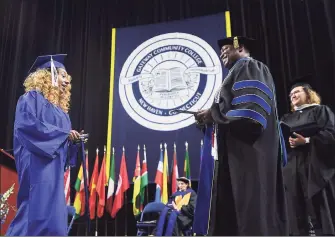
pixel 184 179
pixel 49 61
pixel 236 41
pixel 304 81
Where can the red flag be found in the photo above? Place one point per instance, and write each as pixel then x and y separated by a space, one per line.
pixel 175 174
pixel 93 187
pixel 101 188
pixel 67 186
pixel 122 186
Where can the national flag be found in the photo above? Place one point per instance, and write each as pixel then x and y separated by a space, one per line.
pixel 144 177
pixel 205 185
pixel 187 168
pixel 165 177
pixel 175 174
pixel 122 186
pixel 159 177
pixel 67 188
pixel 79 201
pixel 82 186
pixel 137 185
pixel 78 198
pixel 108 162
pixel 93 186
pixel 111 184
pixel 101 187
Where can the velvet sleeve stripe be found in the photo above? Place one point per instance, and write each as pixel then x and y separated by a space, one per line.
pixel 249 114
pixel 252 99
pixel 254 84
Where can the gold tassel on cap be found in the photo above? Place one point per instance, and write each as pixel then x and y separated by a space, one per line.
pixel 236 45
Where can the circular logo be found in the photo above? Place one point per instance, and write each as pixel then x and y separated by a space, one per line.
pixel 174 71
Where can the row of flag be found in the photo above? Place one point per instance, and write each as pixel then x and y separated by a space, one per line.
pixel 113 200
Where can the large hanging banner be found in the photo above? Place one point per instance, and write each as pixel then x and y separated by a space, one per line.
pixel 156 69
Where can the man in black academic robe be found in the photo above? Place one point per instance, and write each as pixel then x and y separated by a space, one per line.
pixel 248 192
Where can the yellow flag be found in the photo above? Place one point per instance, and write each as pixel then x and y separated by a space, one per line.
pixel 165 177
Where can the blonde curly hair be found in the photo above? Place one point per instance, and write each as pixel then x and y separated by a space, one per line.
pixel 40 80
pixel 312 97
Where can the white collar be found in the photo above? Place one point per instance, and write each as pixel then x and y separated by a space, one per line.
pixel 301 107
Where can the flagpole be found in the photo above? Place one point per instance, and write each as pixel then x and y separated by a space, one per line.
pixel 106 192
pixel 106 222
pixel 115 227
pixel 147 187
pixel 85 185
pixel 96 201
pixel 125 216
pixel 96 225
pixel 96 216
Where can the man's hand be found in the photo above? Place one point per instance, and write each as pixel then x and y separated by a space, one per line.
pixel 298 141
pixel 74 135
pixel 204 117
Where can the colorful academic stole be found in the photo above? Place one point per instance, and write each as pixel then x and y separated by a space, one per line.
pixel 182 200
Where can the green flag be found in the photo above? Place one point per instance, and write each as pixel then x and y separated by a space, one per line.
pixel 144 177
pixel 187 168
pixel 111 183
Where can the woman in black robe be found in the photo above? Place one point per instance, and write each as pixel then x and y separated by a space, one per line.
pixel 310 173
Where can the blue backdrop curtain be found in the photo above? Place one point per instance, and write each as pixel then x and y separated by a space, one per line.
pixel 295 36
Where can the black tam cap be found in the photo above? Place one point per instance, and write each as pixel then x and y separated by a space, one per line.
pixel 236 41
pixel 184 179
pixel 304 81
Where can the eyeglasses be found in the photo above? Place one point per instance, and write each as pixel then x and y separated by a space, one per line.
pixel 294 93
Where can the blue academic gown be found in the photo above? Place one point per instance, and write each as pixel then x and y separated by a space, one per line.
pixel 41 132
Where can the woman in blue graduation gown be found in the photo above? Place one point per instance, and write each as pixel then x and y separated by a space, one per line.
pixel 42 133
pixel 310 173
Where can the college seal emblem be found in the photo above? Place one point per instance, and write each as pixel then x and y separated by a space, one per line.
pixel 167 72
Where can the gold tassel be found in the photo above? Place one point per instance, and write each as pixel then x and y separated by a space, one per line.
pixel 236 45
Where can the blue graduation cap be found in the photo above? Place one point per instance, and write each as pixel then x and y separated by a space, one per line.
pixel 49 61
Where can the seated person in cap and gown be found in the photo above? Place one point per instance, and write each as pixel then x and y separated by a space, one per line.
pixel 179 212
pixel 310 173
pixel 248 192
pixel 42 139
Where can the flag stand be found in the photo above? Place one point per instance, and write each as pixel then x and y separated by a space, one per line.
pixel 125 215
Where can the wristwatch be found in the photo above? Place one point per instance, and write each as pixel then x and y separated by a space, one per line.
pixel 307 139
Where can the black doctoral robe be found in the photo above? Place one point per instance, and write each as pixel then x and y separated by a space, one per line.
pixel 310 173
pixel 248 191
